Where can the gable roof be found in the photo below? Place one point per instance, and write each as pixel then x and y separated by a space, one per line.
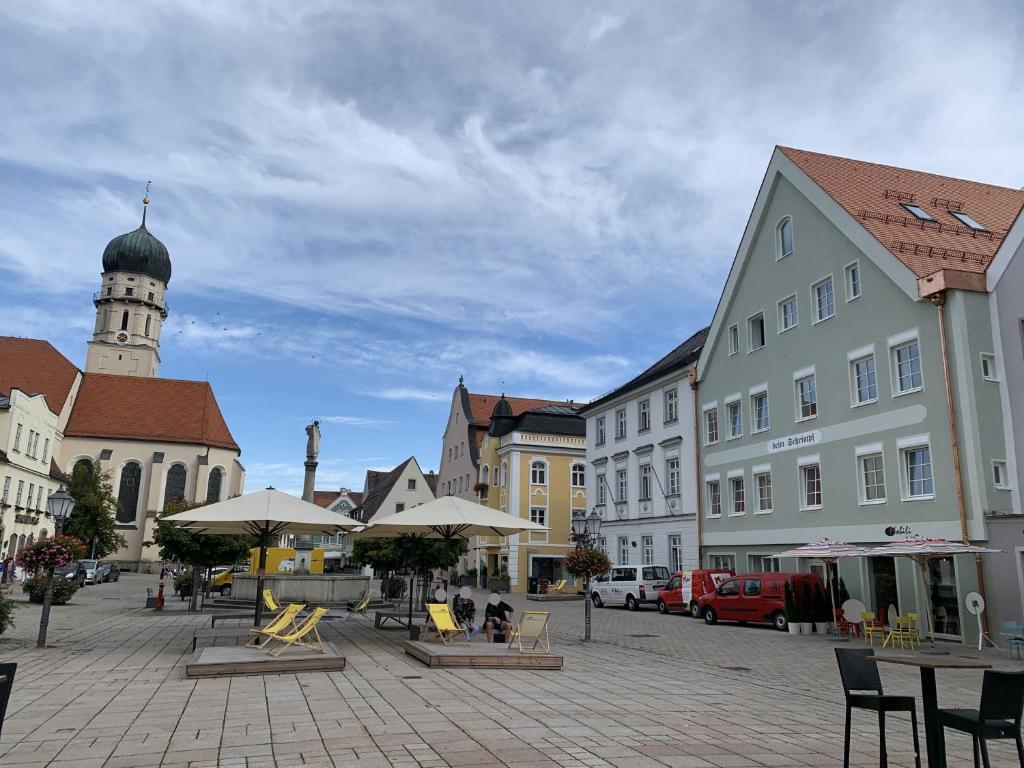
pixel 874 195
pixel 481 406
pixel 680 357
pixel 35 367
pixel 163 410
pixel 325 498
pixel 383 483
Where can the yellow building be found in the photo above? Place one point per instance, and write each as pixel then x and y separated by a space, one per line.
pixel 532 465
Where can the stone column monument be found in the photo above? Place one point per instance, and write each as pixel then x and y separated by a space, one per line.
pixel 304 544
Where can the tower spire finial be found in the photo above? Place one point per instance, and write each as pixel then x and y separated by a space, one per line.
pixel 145 203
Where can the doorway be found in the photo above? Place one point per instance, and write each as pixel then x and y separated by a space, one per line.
pixel 883 583
pixel 549 568
pixel 942 593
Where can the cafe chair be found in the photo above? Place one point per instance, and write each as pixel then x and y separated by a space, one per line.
pixel 1014 634
pixel 998 716
pixel 872 628
pixel 860 674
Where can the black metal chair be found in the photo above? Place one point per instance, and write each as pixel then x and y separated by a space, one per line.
pixel 6 670
pixel 860 674
pixel 998 716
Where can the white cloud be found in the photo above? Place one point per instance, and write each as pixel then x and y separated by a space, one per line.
pixel 358 422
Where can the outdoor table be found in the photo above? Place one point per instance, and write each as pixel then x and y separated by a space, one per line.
pixel 934 735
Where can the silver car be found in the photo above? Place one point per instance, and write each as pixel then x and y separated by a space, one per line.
pixel 90 570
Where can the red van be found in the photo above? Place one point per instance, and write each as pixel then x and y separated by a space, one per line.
pixel 685 588
pixel 755 597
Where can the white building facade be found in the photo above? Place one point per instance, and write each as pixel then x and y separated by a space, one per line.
pixel 641 464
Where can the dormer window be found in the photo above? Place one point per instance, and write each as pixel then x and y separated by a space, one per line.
pixel 918 212
pixel 785 237
pixel 967 220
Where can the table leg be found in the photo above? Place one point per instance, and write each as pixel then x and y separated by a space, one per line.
pixel 933 733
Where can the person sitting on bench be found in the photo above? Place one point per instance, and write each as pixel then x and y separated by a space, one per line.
pixel 465 611
pixel 496 616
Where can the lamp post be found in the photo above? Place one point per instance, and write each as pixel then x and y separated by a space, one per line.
pixel 58 507
pixel 585 532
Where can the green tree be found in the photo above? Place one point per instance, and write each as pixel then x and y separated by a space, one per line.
pixel 93 517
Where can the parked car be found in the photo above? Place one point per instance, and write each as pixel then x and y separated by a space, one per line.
pixel 72 572
pixel 630 585
pixel 107 572
pixel 222 577
pixel 685 589
pixel 90 570
pixel 754 597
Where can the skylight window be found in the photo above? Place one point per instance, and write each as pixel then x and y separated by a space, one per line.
pixel 918 212
pixel 964 218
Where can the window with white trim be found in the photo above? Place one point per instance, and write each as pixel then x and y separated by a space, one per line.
pixel 675 552
pixel 538 515
pixel 872 478
pixel 646 482
pixel 722 562
pixel 907 365
pixel 737 496
pixel 824 300
pixel 806 398
pixel 734 339
pixel 578 475
pixel 6 491
pixel 713 491
pixel 735 413
pixel 759 408
pixel 622 481
pixel 810 486
pixel 623 550
pixel 504 473
pixel 672 476
pixel 988 367
pixel 784 242
pixel 788 314
pixel 46 449
pixel 755 332
pixel 643 412
pixel 916 462
pixel 17 496
pixel 620 423
pixel 853 281
pixel 399 507
pixel 599 429
pixel 647 546
pixel 495 475
pixel 711 426
pixel 602 489
pixel 763 483
pixel 17 438
pixel 671 405
pixel 538 473
pixel 999 475
pixel 763 564
pixel 864 380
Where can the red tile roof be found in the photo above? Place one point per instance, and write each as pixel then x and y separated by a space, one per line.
pixel 483 405
pixel 159 410
pixel 35 367
pixel 325 498
pixel 873 194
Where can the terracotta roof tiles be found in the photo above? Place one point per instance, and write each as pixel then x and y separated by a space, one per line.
pixel 483 405
pixel 325 498
pixel 35 367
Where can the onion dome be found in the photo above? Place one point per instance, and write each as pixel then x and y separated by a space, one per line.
pixel 138 251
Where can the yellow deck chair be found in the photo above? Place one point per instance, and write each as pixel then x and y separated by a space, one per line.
pixel 305 635
pixel 558 586
pixel 360 607
pixel 269 601
pixel 444 623
pixel 531 635
pixel 285 620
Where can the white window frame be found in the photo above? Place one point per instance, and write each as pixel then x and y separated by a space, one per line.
pixel 1001 467
pixel 729 404
pixel 737 474
pixel 577 465
pixel 896 343
pixel 905 446
pixel 708 409
pixel 708 506
pixel 861 453
pixel 538 514
pixel 672 476
pixel 641 412
pixel 670 405
pixel 599 429
pixel 988 360
pixel 543 466
pixel 621 423
pixel 782 313
pixel 803 464
pixel 623 550
pixel 754 394
pixel 645 472
pixel 602 488
pixel 750 332
pixel 815 313
pixel 725 561
pixel 622 485
pixel 847 273
pixel 734 338
pixel 858 356
pixel 676 554
pixel 773 563
pixel 798 377
pixel 764 470
pixel 647 550
pixel 780 250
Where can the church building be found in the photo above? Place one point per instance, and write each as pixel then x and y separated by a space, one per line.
pixel 160 439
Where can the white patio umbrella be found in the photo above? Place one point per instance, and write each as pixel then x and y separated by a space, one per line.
pixel 828 551
pixel 921 549
pixel 263 514
pixel 446 518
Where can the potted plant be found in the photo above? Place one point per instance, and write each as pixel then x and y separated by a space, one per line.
pixel 792 617
pixel 821 611
pixel 468 579
pixel 500 582
pixel 806 608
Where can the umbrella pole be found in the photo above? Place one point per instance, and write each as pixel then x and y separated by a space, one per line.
pixel 412 587
pixel 922 565
pixel 833 573
pixel 260 571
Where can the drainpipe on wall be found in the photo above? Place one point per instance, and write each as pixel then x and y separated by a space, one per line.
pixel 939 300
pixel 694 386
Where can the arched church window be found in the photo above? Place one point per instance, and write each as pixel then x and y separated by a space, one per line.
pixel 83 466
pixel 128 492
pixel 175 484
pixel 485 477
pixel 213 485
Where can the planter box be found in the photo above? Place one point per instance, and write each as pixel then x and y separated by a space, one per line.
pixel 498 585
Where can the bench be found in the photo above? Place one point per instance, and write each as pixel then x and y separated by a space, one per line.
pixel 204 634
pixel 241 614
pixel 399 617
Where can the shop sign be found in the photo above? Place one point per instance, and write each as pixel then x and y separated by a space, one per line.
pixel 900 530
pixel 26 519
pixel 801 440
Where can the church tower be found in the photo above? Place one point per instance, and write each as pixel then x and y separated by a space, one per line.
pixel 130 305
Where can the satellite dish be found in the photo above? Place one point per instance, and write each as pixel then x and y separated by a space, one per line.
pixel 852 609
pixel 975 603
pixel 441 596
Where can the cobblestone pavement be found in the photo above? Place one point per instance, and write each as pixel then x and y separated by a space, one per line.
pixel 650 691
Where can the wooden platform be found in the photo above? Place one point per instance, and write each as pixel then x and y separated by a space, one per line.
pixel 555 597
pixel 480 655
pixel 399 617
pixel 225 661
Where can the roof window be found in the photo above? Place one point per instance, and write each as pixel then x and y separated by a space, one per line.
pixel 964 218
pixel 918 212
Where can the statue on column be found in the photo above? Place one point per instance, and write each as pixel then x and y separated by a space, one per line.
pixel 313 440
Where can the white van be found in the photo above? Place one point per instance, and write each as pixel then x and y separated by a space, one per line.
pixel 630 585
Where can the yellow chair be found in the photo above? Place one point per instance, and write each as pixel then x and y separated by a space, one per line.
pixel 284 620
pixel 533 626
pixel 298 635
pixel 269 601
pixel 904 632
pixel 360 607
pixel 444 622
pixel 558 586
pixel 872 627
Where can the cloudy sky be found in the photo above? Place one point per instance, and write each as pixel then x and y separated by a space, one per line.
pixel 363 200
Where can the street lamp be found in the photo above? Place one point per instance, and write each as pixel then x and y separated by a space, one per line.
pixel 586 533
pixel 58 507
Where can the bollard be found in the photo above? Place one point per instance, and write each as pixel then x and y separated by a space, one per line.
pixel 160 598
